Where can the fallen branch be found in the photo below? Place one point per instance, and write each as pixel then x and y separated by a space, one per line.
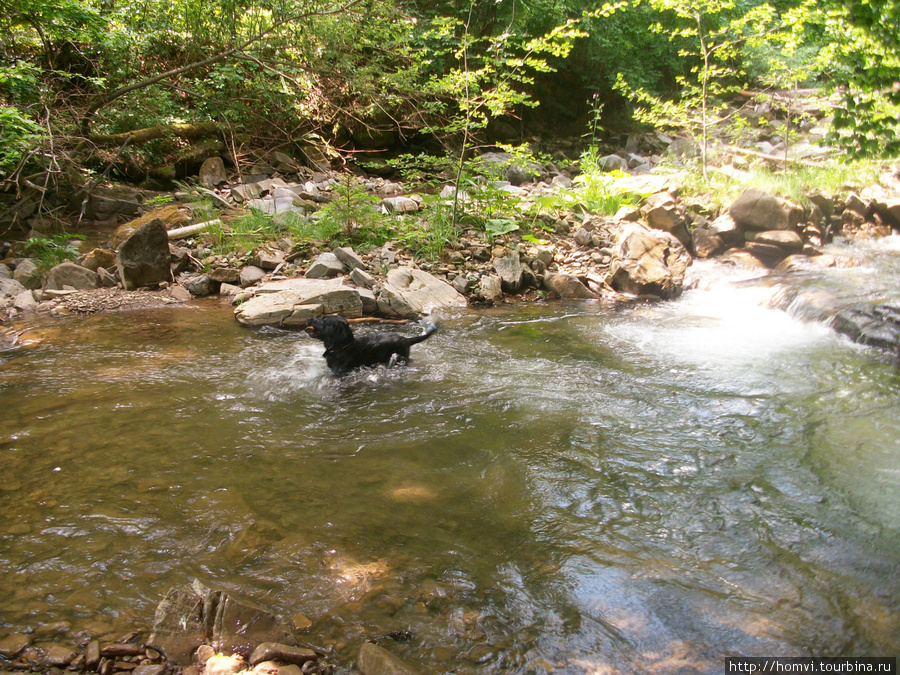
pixel 773 158
pixel 180 130
pixel 188 230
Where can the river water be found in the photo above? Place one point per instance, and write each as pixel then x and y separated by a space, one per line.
pixel 546 488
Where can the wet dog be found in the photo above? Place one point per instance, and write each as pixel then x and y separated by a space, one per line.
pixel 345 353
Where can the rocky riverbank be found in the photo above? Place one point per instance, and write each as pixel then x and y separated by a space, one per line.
pixel 161 258
pixel 198 631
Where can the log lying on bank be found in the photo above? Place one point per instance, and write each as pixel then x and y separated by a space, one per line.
pixel 188 230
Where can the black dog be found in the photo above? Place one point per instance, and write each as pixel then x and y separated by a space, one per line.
pixel 344 353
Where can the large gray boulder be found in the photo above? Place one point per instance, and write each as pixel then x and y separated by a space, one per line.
pixel 648 262
pixel 194 615
pixel 143 258
pixel 568 287
pixel 10 288
pixel 409 292
pixel 28 274
pixel 291 301
pixel 325 266
pixel 759 210
pixel 212 172
pixel 72 275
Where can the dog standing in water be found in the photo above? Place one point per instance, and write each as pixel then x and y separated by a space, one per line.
pixel 345 353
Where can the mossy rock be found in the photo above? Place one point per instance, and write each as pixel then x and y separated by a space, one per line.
pixel 171 216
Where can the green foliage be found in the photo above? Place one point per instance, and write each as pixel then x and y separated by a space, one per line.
pixel 51 251
pixel 18 135
pixel 354 212
pixel 430 235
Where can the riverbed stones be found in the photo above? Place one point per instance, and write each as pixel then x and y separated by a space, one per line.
pixel 74 276
pixel 190 616
pixel 648 262
pixel 375 660
pixel 250 275
pixel 348 257
pixel 143 259
pixel 13 645
pixel 490 288
pixel 28 274
pixel 409 292
pixel 273 651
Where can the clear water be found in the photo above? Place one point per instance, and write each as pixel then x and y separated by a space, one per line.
pixel 558 487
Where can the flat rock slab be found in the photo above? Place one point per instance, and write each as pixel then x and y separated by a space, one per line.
pixel 292 301
pixel 409 292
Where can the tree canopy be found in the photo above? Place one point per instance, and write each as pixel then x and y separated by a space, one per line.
pixel 278 71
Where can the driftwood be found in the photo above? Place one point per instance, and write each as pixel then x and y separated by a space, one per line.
pixel 188 230
pixel 375 319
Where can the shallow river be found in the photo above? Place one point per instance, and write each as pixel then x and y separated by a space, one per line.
pixel 548 487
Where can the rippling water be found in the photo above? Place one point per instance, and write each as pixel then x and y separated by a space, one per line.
pixel 547 487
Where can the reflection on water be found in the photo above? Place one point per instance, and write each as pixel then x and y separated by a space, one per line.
pixel 557 487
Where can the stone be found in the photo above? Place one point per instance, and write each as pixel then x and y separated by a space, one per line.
pixel 755 209
pixel 150 669
pixel 740 258
pixel 244 192
pixel 300 621
pixel 399 205
pixel 325 266
pixel 375 660
pixel 855 204
pixel 663 212
pixel 99 257
pixel 727 229
pixel 92 655
pixel 648 262
pixel 28 274
pixel 74 276
pixel 362 278
pixel 567 286
pixel 179 293
pixel 265 205
pixel 250 275
pixel 613 163
pixel 707 244
pixel 769 254
pixel 24 301
pixel 212 172
pixel 461 284
pixel 889 210
pixel 409 292
pixel 369 301
pixel 5 272
pixel 225 275
pixel 172 216
pixel 59 656
pixel 195 615
pixel 348 257
pixel 787 240
pixel 13 645
pixel 289 300
pixel 823 202
pixel 491 288
pixel 876 326
pixel 509 267
pixel 199 286
pixel 143 258
pixel 219 664
pixel 107 278
pixel 583 237
pixel 273 651
pixel 10 288
pixel 269 259
pixel 118 650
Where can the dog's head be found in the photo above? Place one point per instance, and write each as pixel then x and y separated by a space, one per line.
pixel 334 331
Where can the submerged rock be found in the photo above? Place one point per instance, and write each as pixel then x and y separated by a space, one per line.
pixel 195 615
pixel 375 660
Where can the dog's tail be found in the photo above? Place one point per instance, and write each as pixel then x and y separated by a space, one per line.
pixel 430 328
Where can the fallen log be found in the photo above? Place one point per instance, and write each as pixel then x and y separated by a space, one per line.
pixel 188 230
pixel 181 130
